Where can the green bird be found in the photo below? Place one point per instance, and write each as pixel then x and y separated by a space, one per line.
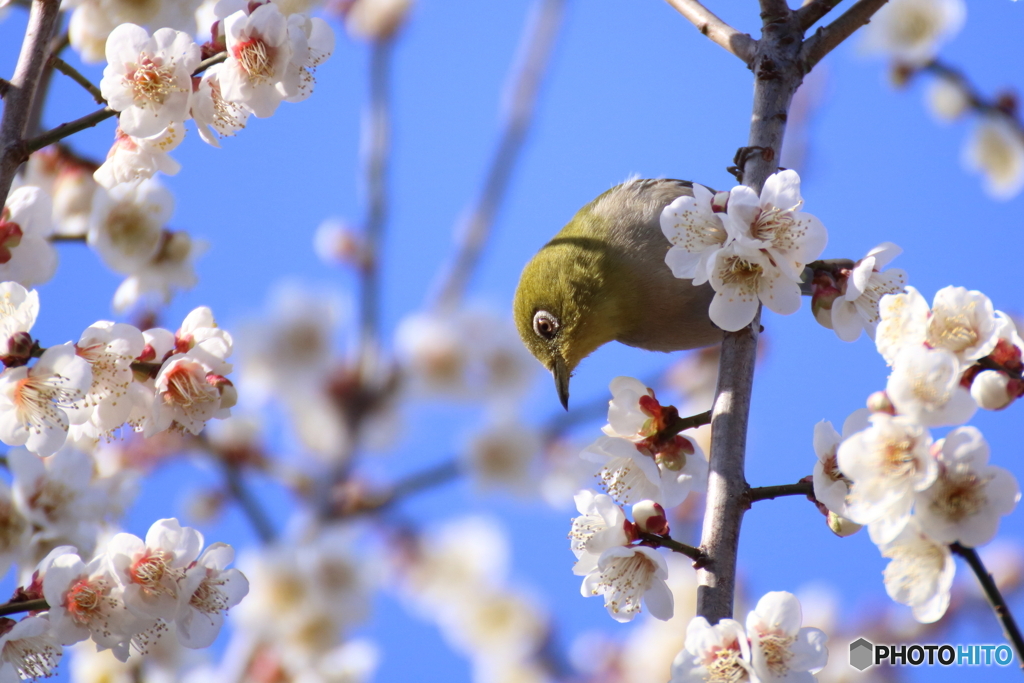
pixel 603 278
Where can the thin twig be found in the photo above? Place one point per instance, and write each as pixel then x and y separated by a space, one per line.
pixel 995 598
pixel 65 129
pixel 21 90
pixel 23 606
pixel 659 541
pixel 977 101
pixel 721 33
pixel 377 146
pixel 829 37
pixel 528 72
pixel 252 508
pixel 809 14
pixel 72 73
pixel 680 424
pixel 801 488
pixel 210 61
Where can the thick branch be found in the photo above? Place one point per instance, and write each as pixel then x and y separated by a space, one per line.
pixel 809 14
pixel 740 44
pixel 829 37
pixel 538 42
pixel 995 598
pixel 777 74
pixel 22 88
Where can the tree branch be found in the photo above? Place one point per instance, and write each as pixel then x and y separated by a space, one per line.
pixel 801 488
pixel 995 598
pixel 777 72
pixel 21 90
pixel 659 541
pixel 740 44
pixel 23 606
pixel 537 43
pixel 829 37
pixel 65 129
pixel 809 14
pixel 233 477
pixel 72 73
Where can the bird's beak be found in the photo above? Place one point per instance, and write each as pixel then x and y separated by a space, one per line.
pixel 561 373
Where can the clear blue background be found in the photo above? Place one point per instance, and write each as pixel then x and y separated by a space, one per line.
pixel 633 89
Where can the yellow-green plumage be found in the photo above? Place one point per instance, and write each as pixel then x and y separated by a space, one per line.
pixel 603 278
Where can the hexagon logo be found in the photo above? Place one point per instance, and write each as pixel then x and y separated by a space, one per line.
pixel 861 654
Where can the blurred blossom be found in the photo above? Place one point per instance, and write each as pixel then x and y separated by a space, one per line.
pixel 127 223
pixel 912 31
pixel 26 223
pixel 337 243
pixel 497 626
pixel 504 456
pixel 947 99
pixel 138 158
pixel 920 572
pixel 375 19
pixel 996 150
pixel 171 268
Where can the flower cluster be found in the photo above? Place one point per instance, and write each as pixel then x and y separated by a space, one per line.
pixel 773 647
pixel 917 495
pixel 124 598
pixel 114 376
pixel 151 81
pixel 751 249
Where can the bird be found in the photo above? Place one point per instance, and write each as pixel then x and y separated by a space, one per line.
pixel 603 278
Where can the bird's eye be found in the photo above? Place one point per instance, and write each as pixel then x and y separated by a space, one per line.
pixel 545 324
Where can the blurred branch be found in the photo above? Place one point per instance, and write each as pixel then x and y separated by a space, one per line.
pixel 977 101
pixel 72 73
pixel 538 41
pixel 801 488
pixel 995 598
pixel 23 606
pixel 377 145
pixel 809 14
pixel 21 90
pixel 235 481
pixel 827 38
pixel 721 33
pixel 363 504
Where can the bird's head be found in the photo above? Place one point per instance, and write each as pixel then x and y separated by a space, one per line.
pixel 564 307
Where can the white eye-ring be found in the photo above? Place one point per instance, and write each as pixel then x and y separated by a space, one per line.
pixel 545 324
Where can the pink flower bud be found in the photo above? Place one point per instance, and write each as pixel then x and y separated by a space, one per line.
pixel 650 517
pixel 19 349
pixel 228 393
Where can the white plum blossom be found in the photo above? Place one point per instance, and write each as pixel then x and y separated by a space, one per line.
pixel 627 576
pixel 19 308
pixel 630 473
pixel 790 237
pixel 260 70
pixel 149 79
pixel 26 221
pixel 925 386
pixel 85 601
pixel 27 649
pixel 33 400
pixel 151 572
pixel 714 653
pixel 963 322
pixel 831 486
pixel 188 393
pixel 126 226
pixel 601 525
pixel 996 150
pixel 920 572
pixel 200 337
pixel 109 348
pixel 991 390
pixel 137 158
pixel 857 307
pixel 888 462
pixel 964 503
pixel 947 99
pixel 743 277
pixel 695 231
pixel 312 44
pixel 171 268
pixel 903 322
pixel 911 31
pixel 207 591
pixel 215 116
pixel 781 651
